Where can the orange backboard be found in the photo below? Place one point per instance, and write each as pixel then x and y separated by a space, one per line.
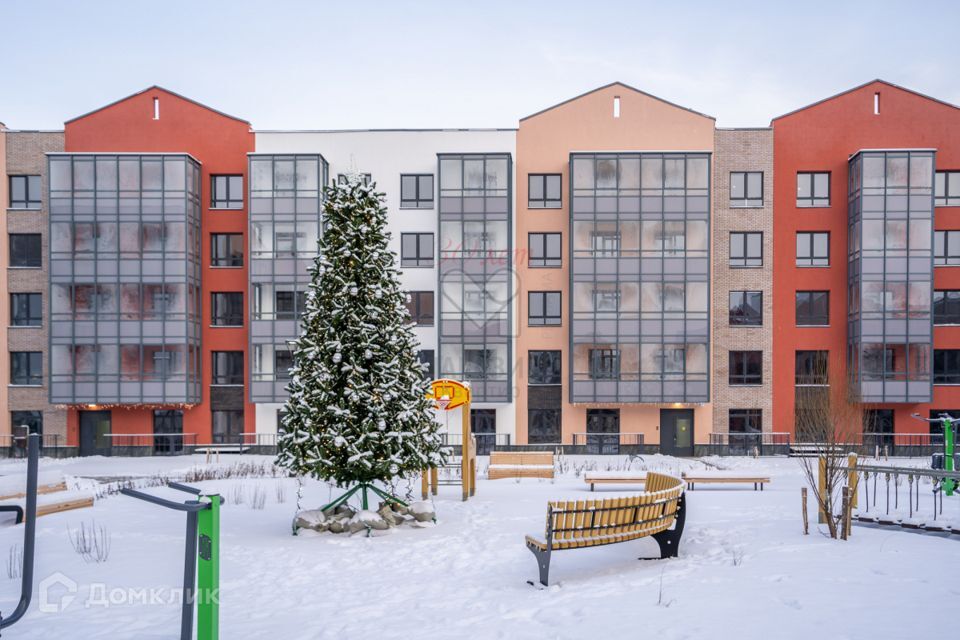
pixel 449 394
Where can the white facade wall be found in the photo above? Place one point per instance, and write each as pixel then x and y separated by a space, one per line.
pixel 385 155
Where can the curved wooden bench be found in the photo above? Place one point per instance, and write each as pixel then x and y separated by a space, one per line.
pixel 590 523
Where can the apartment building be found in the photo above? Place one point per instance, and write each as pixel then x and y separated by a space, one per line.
pixel 450 196
pixel 866 245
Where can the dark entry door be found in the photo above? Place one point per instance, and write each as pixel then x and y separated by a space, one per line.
pixel 483 424
pixel 878 428
pixel 603 431
pixel 676 432
pixel 94 433
pixel 167 431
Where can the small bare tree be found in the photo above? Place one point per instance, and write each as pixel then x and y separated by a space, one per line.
pixel 829 423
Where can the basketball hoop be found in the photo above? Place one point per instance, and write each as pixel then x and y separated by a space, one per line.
pixel 442 402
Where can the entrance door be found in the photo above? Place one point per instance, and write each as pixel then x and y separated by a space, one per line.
pixel 167 431
pixel 878 428
pixel 676 432
pixel 483 424
pixel 94 433
pixel 603 431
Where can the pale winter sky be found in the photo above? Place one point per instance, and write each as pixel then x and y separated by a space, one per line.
pixel 480 63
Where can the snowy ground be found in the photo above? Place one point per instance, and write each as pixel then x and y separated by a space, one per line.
pixel 745 570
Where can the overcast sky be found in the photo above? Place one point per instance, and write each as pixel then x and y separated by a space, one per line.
pixel 479 63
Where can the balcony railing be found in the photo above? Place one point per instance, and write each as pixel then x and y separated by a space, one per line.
pixel 762 443
pixel 153 443
pixel 607 443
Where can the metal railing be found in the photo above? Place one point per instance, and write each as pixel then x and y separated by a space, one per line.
pixel 486 442
pixel 155 443
pixel 606 443
pixel 19 441
pixel 747 444
pixel 909 497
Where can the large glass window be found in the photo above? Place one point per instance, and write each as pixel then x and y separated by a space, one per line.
pixel 811 368
pixel 420 306
pixel 744 421
pixel 545 367
pixel 416 191
pixel 746 188
pixel 416 249
pixel 543 308
pixel 746 308
pixel 25 250
pixel 947 189
pixel 226 192
pixel 946 366
pixel 227 426
pixel 282 363
pixel 545 250
pixel 427 361
pixel 26 309
pixel 227 367
pixel 25 192
pixel 813 189
pixel 26 368
pixel 289 305
pixel 746 249
pixel 24 422
pixel 604 364
pixel 544 191
pixel 946 307
pixel 226 249
pixel 813 249
pixel 226 309
pixel 946 248
pixel 746 367
pixel 813 308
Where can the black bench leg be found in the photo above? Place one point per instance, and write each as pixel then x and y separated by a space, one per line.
pixel 669 540
pixel 14 508
pixel 543 563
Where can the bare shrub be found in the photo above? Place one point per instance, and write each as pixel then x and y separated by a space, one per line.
pixel 258 498
pixel 15 562
pixel 237 493
pixel 280 492
pixel 92 542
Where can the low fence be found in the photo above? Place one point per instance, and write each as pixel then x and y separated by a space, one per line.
pixel 767 443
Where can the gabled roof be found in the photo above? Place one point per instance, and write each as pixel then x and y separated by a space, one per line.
pixel 617 84
pixel 155 88
pixel 861 86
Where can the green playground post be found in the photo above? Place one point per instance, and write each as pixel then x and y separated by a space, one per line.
pixel 208 570
pixel 949 484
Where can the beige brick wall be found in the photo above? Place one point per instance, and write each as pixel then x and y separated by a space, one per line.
pixel 26 155
pixel 741 150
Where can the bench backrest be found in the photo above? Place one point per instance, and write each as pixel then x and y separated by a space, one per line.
pixel 584 523
pixel 522 457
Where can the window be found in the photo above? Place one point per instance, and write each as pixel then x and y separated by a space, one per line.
pixel 544 250
pixel 544 191
pixel 479 363
pixel 226 250
pixel 746 308
pixel 746 249
pixel 426 358
pixel 25 250
pixel 947 189
pixel 813 249
pixel 946 307
pixel 746 189
pixel 365 178
pixel 606 299
pixel 813 189
pixel 25 192
pixel 226 309
pixel 282 363
pixel 23 422
pixel 606 244
pixel 813 308
pixel 745 421
pixel 946 248
pixel 604 364
pixel 811 368
pixel 544 367
pixel 227 367
pixel 226 192
pixel 416 249
pixel 946 366
pixel 420 306
pixel 289 305
pixel 227 426
pixel 543 308
pixel 26 310
pixel 26 368
pixel 746 367
pixel 416 191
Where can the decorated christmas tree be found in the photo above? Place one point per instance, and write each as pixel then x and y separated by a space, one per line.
pixel 358 411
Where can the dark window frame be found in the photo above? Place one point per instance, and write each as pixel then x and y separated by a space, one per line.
pixel 34 307
pixel 226 378
pixel 545 260
pixel 805 375
pixel 604 364
pixel 33 419
pixel 746 260
pixel 418 201
pixel 813 201
pixel 813 259
pixel 421 311
pixel 749 200
pixel 545 202
pixel 945 315
pixel 365 178
pixel 235 418
pixel 428 357
pixel 744 319
pixel 951 189
pixel 26 368
pixel 941 255
pixel 545 319
pixel 230 201
pixel 809 318
pixel 947 375
pixel 419 259
pixel 31 183
pixel 226 317
pixel 549 367
pixel 33 252
pixel 747 416
pixel 745 368
pixel 231 260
